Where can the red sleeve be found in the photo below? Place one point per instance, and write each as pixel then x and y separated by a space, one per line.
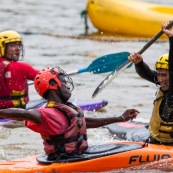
pixel 53 122
pixel 27 70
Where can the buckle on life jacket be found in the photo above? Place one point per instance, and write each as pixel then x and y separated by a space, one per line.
pixel 80 139
pixel 59 145
pixel 13 97
pixel 59 139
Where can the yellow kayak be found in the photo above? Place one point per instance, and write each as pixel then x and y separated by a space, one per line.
pixel 128 17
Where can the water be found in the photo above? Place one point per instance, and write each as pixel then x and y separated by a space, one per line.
pixel 63 18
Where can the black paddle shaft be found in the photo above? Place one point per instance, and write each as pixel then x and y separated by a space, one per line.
pixel 154 39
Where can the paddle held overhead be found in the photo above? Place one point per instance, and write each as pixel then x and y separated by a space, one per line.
pixel 123 66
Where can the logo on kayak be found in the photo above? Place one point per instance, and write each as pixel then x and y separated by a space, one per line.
pixel 148 158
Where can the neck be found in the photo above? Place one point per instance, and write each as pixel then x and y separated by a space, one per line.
pixel 164 90
pixel 55 99
pixel 52 96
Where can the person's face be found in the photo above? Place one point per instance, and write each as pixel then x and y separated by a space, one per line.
pixel 65 88
pixel 163 78
pixel 13 50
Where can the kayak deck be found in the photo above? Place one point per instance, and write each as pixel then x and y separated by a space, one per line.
pixel 130 131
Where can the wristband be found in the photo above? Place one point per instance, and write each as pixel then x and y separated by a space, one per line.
pixel 123 118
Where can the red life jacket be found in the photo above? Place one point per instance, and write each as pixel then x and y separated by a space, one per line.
pixel 74 140
pixel 3 68
pixel 8 97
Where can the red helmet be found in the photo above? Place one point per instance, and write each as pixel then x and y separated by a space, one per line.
pixel 43 78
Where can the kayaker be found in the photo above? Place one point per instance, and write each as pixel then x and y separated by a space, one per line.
pixel 161 122
pixel 14 74
pixel 61 124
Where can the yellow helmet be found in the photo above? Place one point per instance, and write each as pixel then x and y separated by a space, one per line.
pixel 162 62
pixel 8 36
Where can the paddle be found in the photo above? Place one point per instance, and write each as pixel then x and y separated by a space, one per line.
pixel 123 66
pixel 104 64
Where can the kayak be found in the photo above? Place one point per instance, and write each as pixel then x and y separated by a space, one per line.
pixel 86 105
pixel 130 130
pixel 97 158
pixel 90 105
pixel 128 17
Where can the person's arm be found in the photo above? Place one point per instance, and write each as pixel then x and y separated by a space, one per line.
pixel 28 71
pixel 142 68
pixel 145 72
pixel 169 33
pixel 171 64
pixel 129 114
pixel 21 114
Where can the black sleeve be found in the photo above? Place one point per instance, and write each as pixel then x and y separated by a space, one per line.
pixel 145 72
pixel 171 65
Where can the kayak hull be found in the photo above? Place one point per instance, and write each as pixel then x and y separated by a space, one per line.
pixel 139 156
pixel 128 17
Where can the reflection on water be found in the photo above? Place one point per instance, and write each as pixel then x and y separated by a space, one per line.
pixel 127 90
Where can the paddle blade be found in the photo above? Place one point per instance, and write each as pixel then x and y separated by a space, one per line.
pixel 110 77
pixel 104 64
pixel 108 63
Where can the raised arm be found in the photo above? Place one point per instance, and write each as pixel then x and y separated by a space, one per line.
pixel 169 33
pixel 142 68
pixel 145 72
pixel 171 64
